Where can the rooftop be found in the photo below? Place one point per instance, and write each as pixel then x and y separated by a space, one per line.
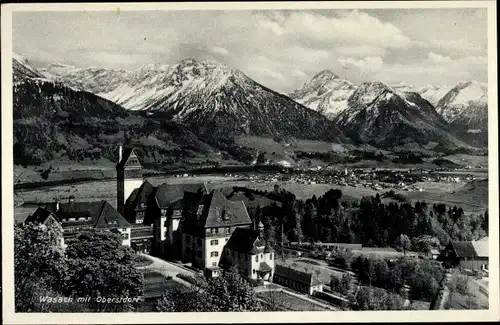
pixel 245 241
pixel 296 275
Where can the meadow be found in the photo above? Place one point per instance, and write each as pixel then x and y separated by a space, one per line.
pixel 472 197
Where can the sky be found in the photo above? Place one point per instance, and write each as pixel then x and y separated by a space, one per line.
pixel 279 49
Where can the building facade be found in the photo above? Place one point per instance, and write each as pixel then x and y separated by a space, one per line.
pixel 297 280
pixel 208 222
pixel 74 217
pixel 247 251
pixel 470 255
pixel 129 176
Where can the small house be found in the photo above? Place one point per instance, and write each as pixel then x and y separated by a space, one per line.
pixel 471 255
pixel 297 280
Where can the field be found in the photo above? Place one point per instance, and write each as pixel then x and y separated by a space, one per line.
pixel 472 197
pixel 288 302
pixel 381 252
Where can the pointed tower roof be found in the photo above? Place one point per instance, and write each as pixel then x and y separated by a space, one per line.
pixel 129 159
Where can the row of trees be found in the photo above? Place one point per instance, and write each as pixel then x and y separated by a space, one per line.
pixel 94 264
pixel 368 221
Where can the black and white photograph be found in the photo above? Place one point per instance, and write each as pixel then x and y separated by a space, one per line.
pixel 265 158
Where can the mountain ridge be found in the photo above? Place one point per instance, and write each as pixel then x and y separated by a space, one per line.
pixel 204 94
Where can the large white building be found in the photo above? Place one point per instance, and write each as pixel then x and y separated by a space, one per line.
pixel 191 223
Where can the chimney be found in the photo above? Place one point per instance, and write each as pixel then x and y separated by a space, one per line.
pixel 120 153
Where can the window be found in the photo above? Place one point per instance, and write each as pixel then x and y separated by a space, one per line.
pixel 199 241
pixel 214 264
pixel 125 236
pixel 256 258
pixel 214 242
pixel 213 230
pixel 228 230
pixel 214 254
pixel 271 256
pixel 188 239
pixel 253 271
pixel 227 239
pixel 261 255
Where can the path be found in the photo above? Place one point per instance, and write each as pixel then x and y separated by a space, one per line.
pixel 171 269
pixel 167 269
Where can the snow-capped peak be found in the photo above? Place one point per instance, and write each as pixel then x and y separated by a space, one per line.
pixel 326 93
pixel 19 58
pixel 466 103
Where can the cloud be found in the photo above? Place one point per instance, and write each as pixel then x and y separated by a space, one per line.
pixel 298 73
pixel 267 73
pixel 458 45
pixel 365 64
pixel 348 27
pixel 279 49
pixel 219 50
pixel 438 58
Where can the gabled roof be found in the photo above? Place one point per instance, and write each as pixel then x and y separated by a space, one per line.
pixel 264 267
pixel 140 195
pixel 245 241
pixel 218 211
pixel 166 194
pixel 296 275
pixel 98 214
pixel 129 159
pixel 463 248
pixel 110 218
pixel 39 216
pixel 481 248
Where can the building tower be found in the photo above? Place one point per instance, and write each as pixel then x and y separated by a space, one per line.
pixel 260 230
pixel 129 176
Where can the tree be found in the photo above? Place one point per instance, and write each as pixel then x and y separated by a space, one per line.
pixel 100 266
pixel 425 243
pixel 344 284
pixel 377 299
pixel 334 282
pixel 228 292
pixel 39 265
pixel 403 243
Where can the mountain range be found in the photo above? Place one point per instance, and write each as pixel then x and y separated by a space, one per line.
pixel 52 120
pixel 463 106
pixel 379 115
pixel 215 101
pixel 204 106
